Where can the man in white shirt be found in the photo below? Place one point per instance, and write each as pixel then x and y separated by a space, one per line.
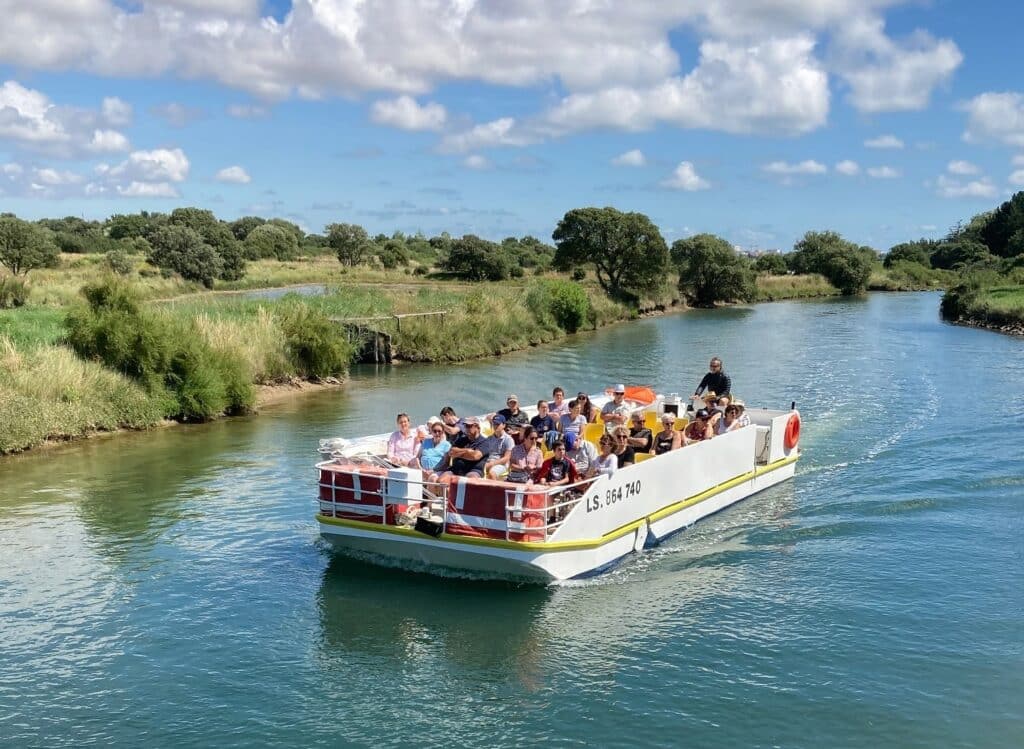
pixel 499 450
pixel 581 453
pixel 615 412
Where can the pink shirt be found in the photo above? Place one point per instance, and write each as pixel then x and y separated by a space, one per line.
pixel 402 449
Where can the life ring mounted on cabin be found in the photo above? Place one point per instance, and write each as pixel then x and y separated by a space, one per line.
pixel 792 431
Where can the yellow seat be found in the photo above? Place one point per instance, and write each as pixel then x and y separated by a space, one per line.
pixel 593 432
pixel 641 457
pixel 651 420
pixel 681 423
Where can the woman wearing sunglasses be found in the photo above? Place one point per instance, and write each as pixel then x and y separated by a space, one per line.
pixel 587 408
pixel 526 457
pixel 434 447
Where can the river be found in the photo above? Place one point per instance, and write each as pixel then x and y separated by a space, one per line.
pixel 169 588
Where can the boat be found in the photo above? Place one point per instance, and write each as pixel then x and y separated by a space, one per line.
pixel 531 532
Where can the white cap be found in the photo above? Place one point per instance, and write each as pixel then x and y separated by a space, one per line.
pixel 620 388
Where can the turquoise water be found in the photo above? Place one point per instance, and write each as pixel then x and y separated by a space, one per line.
pixel 170 588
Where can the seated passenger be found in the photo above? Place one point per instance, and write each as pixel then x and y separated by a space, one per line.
pixel 743 418
pixel 587 408
pixel 699 429
pixel 558 469
pixel 499 449
pixel 526 457
pixel 544 425
pixel 615 412
pixel 559 406
pixel 581 453
pixel 403 443
pixel 434 447
pixel 451 423
pixel 668 438
pixel 572 422
pixel 625 453
pixel 640 437
pixel 468 453
pixel 607 461
pixel 515 419
pixel 729 422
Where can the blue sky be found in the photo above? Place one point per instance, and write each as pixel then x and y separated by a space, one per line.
pixel 753 119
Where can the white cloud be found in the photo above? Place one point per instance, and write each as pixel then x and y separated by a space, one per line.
pixel 476 161
pixel 117 112
pixel 952 188
pixel 995 117
pixel 885 75
pixel 883 172
pixel 247 111
pixel 177 114
pixel 848 168
pixel 1018 160
pixel 884 141
pixel 685 177
pixel 634 157
pixel 1017 178
pixel 962 168
pixel 54 177
pixel 809 166
pixel 108 141
pixel 148 190
pixel 500 132
pixel 158 165
pixel 406 113
pixel 234 174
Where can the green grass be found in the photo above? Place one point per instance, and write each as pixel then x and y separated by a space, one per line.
pixel 29 327
pixel 1007 300
pixel 776 288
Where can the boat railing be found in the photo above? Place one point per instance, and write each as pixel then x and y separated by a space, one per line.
pixel 557 502
pixel 374 493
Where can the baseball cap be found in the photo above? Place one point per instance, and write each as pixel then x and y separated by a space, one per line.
pixel 433 420
pixel 702 414
pixel 498 419
pixel 471 420
pixel 620 388
pixel 570 440
pixel 512 397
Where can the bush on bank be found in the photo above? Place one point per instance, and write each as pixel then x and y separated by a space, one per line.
pixel 556 303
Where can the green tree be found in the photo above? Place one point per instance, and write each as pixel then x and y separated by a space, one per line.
pixel 242 226
pixel 268 240
pixel 627 251
pixel 294 229
pixel 772 263
pixel 710 270
pixel 349 241
pixel 844 264
pixel 182 250
pixel 134 225
pixel 960 253
pixel 393 253
pixel 217 235
pixel 919 251
pixel 476 259
pixel 1004 231
pixel 25 246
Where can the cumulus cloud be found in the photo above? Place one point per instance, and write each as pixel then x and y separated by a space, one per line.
pixel 247 111
pixel 685 177
pixel 177 114
pixel 117 112
pixel 500 132
pixel 634 157
pixel 848 168
pixel 476 161
pixel 947 187
pixel 233 174
pixel 962 168
pixel 137 189
pixel 406 113
pixel 884 141
pixel 108 141
pixel 1017 178
pixel 883 172
pixel 158 165
pixel 1018 160
pixel 809 166
pixel 995 118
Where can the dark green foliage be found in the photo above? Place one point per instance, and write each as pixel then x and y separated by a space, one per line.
pixel 528 252
pixel 25 246
pixel 182 250
pixel 133 225
pixel 270 241
pixel 772 263
pixel 13 293
pixel 119 262
pixel 563 303
pixel 349 241
pixel 393 253
pixel 919 252
pixel 242 227
pixel 289 228
pixel 167 356
pixel 960 253
pixel 710 271
pixel 476 259
pixel 626 249
pixel 1003 233
pixel 317 347
pixel 844 264
pixel 216 235
pixel 578 274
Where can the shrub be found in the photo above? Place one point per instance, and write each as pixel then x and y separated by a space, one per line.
pixel 710 270
pixel 182 250
pixel 563 303
pixel 844 264
pixel 119 262
pixel 578 274
pixel 13 293
pixel 24 246
pixel 268 240
pixel 393 254
pixel 771 263
pixel 317 347
pixel 476 259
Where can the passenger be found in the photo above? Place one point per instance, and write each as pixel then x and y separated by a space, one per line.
pixel 699 429
pixel 607 461
pixel 615 412
pixel 572 422
pixel 744 417
pixel 640 437
pixel 625 453
pixel 559 406
pixel 515 418
pixel 729 422
pixel 587 408
pixel 499 449
pixel 403 443
pixel 544 425
pixel 526 456
pixel 668 438
pixel 716 379
pixel 433 448
pixel 581 453
pixel 557 470
pixel 468 453
pixel 452 424
pixel 710 401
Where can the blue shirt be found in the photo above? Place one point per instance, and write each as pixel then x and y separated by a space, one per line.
pixel 542 424
pixel 431 453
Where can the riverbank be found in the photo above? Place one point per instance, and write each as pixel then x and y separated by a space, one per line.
pixel 996 308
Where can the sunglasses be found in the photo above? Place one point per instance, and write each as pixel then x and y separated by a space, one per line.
pixel 437 431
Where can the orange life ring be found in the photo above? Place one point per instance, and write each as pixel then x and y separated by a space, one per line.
pixel 792 431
